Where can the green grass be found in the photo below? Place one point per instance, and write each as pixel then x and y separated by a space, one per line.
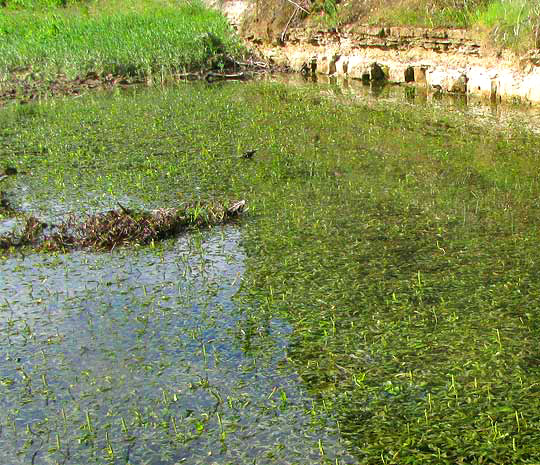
pixel 37 4
pixel 437 13
pixel 504 11
pixel 32 4
pixel 492 14
pixel 423 15
pixel 505 23
pixel 511 23
pixel 134 39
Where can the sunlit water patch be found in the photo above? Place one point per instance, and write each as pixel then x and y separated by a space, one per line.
pixel 146 357
pixel 483 112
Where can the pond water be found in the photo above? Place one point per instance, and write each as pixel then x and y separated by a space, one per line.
pixel 377 303
pixel 145 357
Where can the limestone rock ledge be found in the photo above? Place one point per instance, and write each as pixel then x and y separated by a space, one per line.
pixel 443 60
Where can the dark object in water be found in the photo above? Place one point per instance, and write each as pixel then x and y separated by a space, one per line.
pixel 4 202
pixel 30 234
pixel 122 227
pixel 117 228
pixel 212 77
pixel 10 171
pixel 248 155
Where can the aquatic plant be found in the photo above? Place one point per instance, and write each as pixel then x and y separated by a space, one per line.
pixel 387 289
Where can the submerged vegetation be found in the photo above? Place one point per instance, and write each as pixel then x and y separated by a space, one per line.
pixel 399 243
pixel 378 305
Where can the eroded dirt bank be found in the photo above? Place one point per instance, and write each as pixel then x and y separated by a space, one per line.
pixel 448 60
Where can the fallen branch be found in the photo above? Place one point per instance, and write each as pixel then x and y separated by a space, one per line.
pixel 222 77
pixel 29 235
pixel 4 202
pixel 188 76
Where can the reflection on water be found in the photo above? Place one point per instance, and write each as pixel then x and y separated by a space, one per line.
pixel 483 110
pixel 146 357
pixel 9 225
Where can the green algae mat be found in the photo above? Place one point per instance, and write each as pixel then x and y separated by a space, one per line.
pixel 377 302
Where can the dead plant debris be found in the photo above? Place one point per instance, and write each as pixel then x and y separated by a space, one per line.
pixel 32 87
pixel 121 227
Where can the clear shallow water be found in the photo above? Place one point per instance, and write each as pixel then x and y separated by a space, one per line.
pixel 380 296
pixel 7 226
pixel 146 357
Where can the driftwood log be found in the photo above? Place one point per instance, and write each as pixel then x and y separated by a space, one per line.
pixel 211 76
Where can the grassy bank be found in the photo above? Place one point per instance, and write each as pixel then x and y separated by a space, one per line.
pixel 121 38
pixel 503 23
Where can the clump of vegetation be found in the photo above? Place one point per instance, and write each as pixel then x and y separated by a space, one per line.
pixel 6 209
pixel 20 4
pixel 5 206
pixel 121 227
pixel 514 24
pixel 128 38
pixel 29 235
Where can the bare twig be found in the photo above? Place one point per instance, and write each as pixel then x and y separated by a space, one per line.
pixel 298 6
pixel 295 12
pixel 221 77
pixel 124 209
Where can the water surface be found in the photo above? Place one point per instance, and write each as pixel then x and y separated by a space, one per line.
pixel 145 357
pixel 377 303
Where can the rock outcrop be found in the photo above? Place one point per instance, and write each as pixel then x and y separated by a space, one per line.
pixel 443 60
